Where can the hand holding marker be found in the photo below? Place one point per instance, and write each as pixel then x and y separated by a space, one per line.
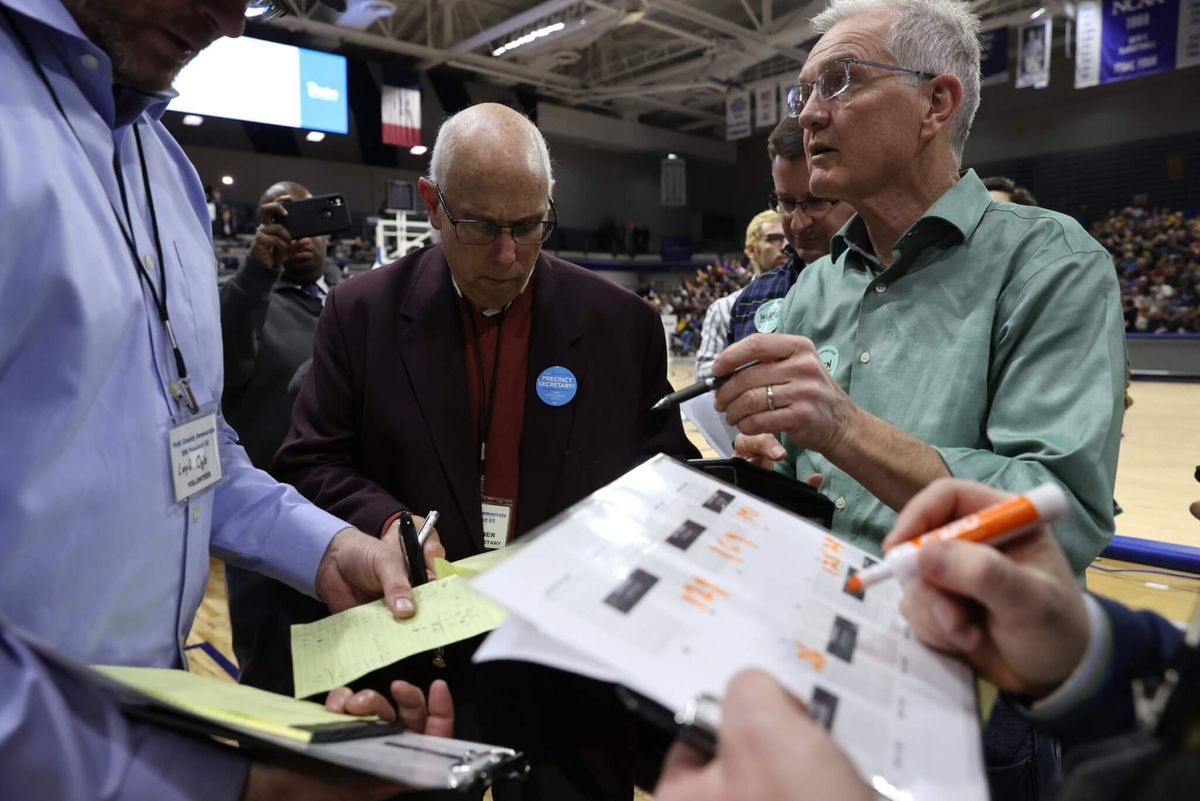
pixel 994 525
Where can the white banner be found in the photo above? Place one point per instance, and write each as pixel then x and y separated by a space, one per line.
pixel 1087 43
pixel 673 182
pixel 765 108
pixel 400 114
pixel 1033 57
pixel 1187 52
pixel 737 115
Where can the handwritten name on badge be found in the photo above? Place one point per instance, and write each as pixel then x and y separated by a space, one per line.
pixel 195 458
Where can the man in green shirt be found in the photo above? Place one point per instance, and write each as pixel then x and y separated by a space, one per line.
pixel 947 334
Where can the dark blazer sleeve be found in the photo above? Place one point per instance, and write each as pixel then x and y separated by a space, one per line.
pixel 244 301
pixel 1142 645
pixel 320 455
pixel 662 431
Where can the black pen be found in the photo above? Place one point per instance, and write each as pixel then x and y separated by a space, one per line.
pixel 698 389
pixel 416 561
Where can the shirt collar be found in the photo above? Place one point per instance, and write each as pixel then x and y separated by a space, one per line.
pixel 960 208
pixel 128 103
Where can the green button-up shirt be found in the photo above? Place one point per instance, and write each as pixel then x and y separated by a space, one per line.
pixel 995 337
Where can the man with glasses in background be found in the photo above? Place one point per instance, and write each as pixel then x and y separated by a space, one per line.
pixel 497 384
pixel 764 252
pixel 809 223
pixel 951 335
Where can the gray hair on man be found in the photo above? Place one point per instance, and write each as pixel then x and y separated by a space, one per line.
pixel 524 141
pixel 938 36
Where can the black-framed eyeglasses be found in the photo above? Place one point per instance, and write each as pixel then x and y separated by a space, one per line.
pixel 485 232
pixel 814 207
pixel 835 78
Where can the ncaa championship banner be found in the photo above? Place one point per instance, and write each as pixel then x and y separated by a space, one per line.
pixel 1122 39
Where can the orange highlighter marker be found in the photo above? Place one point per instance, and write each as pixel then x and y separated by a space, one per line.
pixel 994 525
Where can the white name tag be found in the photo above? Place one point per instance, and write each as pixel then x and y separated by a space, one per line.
pixel 497 515
pixel 195 455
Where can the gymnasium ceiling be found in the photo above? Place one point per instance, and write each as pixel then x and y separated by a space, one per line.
pixel 666 63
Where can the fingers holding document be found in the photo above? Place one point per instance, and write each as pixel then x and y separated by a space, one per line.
pixel 434 716
pixel 768 750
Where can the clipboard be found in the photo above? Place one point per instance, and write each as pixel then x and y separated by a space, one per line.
pixel 770 485
pixel 376 748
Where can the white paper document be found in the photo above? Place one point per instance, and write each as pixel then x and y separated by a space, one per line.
pixel 710 423
pixel 670 582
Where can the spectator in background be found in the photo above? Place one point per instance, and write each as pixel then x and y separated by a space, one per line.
pixel 1156 254
pixel 1006 191
pixel 809 223
pixel 764 251
pixel 269 312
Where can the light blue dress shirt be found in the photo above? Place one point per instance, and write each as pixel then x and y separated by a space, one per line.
pixel 97 558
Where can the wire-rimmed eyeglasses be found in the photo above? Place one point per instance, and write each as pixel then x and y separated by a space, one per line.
pixel 814 207
pixel 835 78
pixel 485 232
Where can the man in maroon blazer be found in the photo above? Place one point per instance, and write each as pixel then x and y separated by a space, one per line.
pixel 499 385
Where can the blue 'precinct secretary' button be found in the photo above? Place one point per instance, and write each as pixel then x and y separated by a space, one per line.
pixel 556 386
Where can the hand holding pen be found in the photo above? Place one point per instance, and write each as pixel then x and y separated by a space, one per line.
pixel 697 389
pixel 414 551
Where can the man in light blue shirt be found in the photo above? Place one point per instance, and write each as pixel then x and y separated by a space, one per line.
pixel 104 559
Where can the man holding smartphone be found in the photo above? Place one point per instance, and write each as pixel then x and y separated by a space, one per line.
pixel 269 311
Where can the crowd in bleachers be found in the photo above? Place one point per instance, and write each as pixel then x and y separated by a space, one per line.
pixel 690 299
pixel 1157 257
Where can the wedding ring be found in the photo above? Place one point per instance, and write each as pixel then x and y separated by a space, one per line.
pixel 770 398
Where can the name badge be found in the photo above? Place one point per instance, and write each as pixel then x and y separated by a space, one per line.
pixel 497 520
pixel 195 455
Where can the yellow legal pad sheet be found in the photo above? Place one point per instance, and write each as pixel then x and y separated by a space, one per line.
pixel 343 647
pixel 221 701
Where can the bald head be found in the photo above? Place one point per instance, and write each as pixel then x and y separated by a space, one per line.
pixel 290 188
pixel 491 146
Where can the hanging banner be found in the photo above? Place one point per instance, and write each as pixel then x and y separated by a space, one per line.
pixel 1033 57
pixel 673 182
pixel 1123 39
pixel 993 68
pixel 737 115
pixel 400 108
pixel 1088 21
pixel 786 85
pixel 765 113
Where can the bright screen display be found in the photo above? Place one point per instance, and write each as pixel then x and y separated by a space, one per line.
pixel 258 81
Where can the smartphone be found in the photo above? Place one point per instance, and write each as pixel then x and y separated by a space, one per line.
pixel 315 216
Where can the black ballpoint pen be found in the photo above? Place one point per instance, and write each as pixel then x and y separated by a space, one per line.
pixel 417 576
pixel 699 388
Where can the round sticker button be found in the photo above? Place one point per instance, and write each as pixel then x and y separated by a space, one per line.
pixel 556 386
pixel 766 318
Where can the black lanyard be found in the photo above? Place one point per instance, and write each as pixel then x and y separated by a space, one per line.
pixel 483 424
pixel 181 389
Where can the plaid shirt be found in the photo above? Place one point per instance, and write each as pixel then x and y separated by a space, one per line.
pixel 771 284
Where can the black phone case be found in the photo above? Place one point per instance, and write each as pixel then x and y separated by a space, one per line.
pixel 315 216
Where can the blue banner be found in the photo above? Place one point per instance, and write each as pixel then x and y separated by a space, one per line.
pixel 1139 38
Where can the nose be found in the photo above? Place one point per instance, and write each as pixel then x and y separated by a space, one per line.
pixel 815 114
pixel 506 247
pixel 227 16
pixel 800 221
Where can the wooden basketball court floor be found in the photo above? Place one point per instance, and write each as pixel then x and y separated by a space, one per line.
pixel 1159 453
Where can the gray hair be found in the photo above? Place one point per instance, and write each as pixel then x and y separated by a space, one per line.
pixel 938 36
pixel 458 126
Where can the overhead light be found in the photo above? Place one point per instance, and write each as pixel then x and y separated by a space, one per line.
pixel 532 36
pixel 227 180
pixel 418 150
pixel 315 136
pixel 1038 13
pixel 672 156
pixel 193 119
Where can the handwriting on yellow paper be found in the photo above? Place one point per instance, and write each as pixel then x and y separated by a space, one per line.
pixel 343 647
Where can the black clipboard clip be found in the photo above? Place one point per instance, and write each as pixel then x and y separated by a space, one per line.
pixel 696 724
